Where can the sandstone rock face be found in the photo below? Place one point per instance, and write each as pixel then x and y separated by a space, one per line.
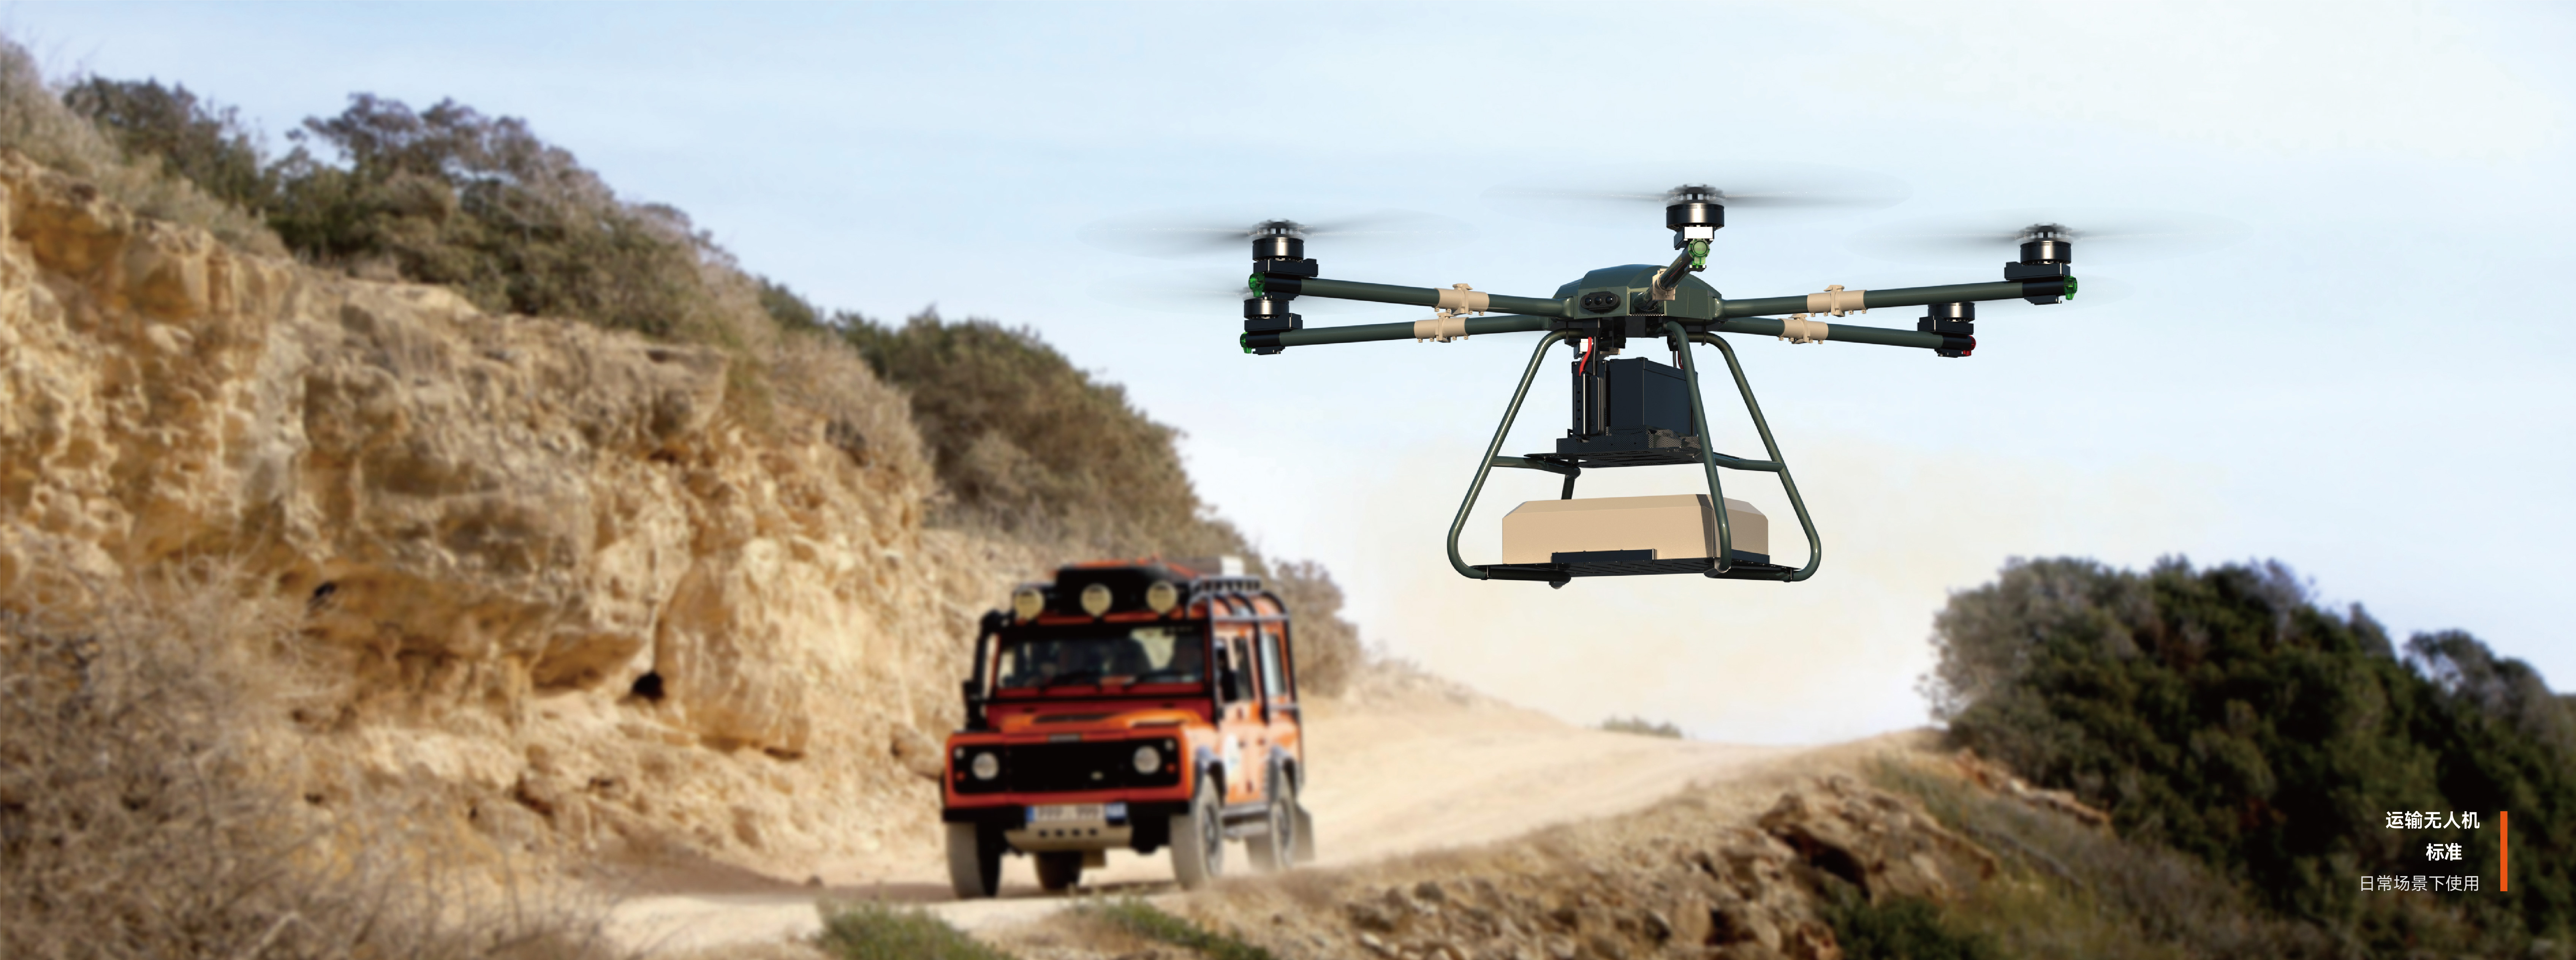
pixel 561 571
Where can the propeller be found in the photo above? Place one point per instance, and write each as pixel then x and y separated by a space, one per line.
pixel 1623 189
pixel 1192 291
pixel 1190 234
pixel 2097 235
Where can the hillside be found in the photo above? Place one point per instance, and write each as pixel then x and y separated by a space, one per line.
pixel 543 565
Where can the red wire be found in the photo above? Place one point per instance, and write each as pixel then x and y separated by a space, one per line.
pixel 1585 366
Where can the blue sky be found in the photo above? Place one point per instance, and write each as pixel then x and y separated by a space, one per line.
pixel 2373 388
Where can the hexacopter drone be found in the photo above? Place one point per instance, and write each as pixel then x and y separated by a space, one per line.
pixel 1636 412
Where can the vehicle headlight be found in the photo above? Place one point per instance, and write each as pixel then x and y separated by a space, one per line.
pixel 985 766
pixel 1148 760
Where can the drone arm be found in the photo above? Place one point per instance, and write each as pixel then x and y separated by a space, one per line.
pixel 1846 333
pixel 1365 332
pixel 1410 296
pixel 1908 297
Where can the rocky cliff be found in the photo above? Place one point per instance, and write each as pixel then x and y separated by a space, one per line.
pixel 578 585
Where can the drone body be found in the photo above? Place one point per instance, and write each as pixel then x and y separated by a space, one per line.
pixel 1637 412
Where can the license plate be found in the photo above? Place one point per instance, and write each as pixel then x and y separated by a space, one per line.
pixel 1078 813
pixel 1060 813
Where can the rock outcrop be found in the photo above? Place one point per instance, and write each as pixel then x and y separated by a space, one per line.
pixel 1689 878
pixel 582 583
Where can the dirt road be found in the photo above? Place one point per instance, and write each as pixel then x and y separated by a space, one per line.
pixel 1401 771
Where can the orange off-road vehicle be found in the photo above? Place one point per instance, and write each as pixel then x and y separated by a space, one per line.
pixel 1129 704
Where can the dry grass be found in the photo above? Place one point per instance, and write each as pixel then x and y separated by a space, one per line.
pixel 146 812
pixel 34 121
pixel 2077 891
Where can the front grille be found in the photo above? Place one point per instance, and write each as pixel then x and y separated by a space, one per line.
pixel 1071 767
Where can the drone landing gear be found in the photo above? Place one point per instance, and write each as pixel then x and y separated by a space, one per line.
pixel 1651 448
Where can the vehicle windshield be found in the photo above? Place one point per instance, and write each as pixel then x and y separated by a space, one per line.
pixel 1097 656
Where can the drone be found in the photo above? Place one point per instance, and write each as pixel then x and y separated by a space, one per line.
pixel 1637 412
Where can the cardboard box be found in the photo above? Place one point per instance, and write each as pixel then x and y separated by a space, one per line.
pixel 1675 527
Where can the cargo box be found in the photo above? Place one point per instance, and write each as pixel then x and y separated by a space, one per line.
pixel 1676 527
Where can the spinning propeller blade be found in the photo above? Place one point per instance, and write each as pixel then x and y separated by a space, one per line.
pixel 1188 234
pixel 1190 291
pixel 2098 235
pixel 1620 189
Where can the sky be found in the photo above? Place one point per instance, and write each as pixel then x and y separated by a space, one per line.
pixel 2362 387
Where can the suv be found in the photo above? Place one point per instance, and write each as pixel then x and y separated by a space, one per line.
pixel 1130 703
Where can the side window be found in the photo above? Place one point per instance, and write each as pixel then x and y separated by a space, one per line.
pixel 1241 689
pixel 1274 681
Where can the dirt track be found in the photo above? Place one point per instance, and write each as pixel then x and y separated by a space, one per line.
pixel 1399 772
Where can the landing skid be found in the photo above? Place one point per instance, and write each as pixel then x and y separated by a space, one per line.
pixel 1734 567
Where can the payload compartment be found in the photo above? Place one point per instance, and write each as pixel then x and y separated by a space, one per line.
pixel 1674 527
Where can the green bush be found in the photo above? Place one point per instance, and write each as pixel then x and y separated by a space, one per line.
pixel 1027 443
pixel 34 121
pixel 874 931
pixel 1150 922
pixel 2071 890
pixel 1327 647
pixel 1900 929
pixel 196 139
pixel 480 204
pixel 1641 727
pixel 2224 714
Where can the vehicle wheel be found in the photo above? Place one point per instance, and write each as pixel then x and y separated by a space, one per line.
pixel 1198 838
pixel 1277 850
pixel 974 862
pixel 1059 870
pixel 1305 835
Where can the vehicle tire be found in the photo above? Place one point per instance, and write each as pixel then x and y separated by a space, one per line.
pixel 1277 850
pixel 1305 835
pixel 1198 838
pixel 974 862
pixel 1059 870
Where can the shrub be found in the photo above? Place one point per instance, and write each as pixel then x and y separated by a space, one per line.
pixel 1327 647
pixel 2223 714
pixel 141 814
pixel 480 204
pixel 1899 929
pixel 35 122
pixel 1026 443
pixel 1642 727
pixel 2071 890
pixel 874 931
pixel 199 140
pixel 1145 920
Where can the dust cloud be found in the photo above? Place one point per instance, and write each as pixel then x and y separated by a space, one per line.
pixel 1830 659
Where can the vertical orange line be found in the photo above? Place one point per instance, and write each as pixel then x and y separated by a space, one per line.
pixel 2504 834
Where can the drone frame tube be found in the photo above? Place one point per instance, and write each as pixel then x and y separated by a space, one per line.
pixel 1495 449
pixel 1710 459
pixel 1771 448
pixel 1421 296
pixel 1908 297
